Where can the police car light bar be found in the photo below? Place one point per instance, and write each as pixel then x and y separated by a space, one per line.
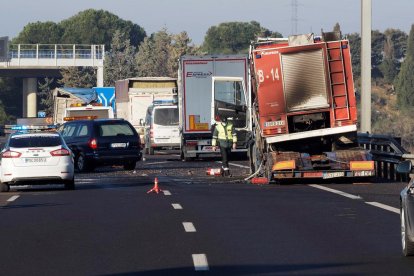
pixel 33 128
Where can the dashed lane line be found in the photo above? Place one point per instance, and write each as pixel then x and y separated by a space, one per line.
pixel 13 198
pixel 177 206
pixel 335 191
pixel 166 192
pixel 200 262
pixel 189 227
pixel 385 207
pixel 236 165
pixel 376 204
pixel 156 163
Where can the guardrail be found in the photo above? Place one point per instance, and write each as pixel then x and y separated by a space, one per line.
pixel 387 153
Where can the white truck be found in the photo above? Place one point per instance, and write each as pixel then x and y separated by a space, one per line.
pixel 211 86
pixel 134 96
pixel 81 102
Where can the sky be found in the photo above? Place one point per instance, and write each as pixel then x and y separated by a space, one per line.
pixel 196 16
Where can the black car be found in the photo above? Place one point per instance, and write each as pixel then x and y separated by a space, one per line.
pixel 102 142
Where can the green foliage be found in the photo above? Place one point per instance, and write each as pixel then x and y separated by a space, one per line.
pixel 158 54
pixel 120 60
pixel 10 90
pixel 40 32
pixel 84 77
pixel 234 37
pixel 45 94
pixel 377 47
pixel 405 82
pixel 355 45
pixel 97 27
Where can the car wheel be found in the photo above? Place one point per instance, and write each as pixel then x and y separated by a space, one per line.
pixel 130 166
pixel 70 184
pixel 4 187
pixel 81 163
pixel 407 245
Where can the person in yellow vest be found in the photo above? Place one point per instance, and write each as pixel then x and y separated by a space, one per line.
pixel 225 136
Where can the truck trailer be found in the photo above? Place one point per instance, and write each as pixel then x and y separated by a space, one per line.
pixel 209 87
pixel 304 110
pixel 135 95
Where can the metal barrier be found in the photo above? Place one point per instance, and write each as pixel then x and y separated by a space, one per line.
pixel 387 153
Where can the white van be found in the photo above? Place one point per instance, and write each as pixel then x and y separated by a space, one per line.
pixel 161 128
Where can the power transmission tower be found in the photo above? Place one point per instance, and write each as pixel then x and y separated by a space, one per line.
pixel 294 18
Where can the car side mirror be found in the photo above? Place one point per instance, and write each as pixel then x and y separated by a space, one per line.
pixel 404 167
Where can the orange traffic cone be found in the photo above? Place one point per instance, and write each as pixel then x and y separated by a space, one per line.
pixel 155 189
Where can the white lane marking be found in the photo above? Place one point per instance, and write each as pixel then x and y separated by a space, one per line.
pixel 385 207
pixel 189 227
pixel 161 162
pixel 236 165
pixel 177 206
pixel 200 262
pixel 335 191
pixel 166 192
pixel 13 198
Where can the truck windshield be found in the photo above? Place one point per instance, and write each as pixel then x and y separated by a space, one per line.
pixel 166 116
pixel 230 92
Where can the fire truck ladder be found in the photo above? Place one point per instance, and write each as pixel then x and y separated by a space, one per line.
pixel 338 81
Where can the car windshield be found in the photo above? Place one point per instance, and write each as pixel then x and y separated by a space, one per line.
pixel 115 129
pixel 35 141
pixel 166 116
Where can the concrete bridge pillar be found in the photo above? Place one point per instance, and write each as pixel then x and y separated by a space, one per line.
pixel 99 77
pixel 30 97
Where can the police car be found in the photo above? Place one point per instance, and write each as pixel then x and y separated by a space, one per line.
pixel 32 155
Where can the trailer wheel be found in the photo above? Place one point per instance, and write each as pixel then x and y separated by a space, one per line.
pixel 254 158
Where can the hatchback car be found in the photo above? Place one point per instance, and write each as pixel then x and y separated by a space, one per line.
pixel 407 211
pixel 36 158
pixel 100 142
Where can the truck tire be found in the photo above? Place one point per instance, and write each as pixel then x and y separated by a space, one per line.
pixel 151 151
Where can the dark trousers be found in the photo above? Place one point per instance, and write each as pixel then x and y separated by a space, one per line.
pixel 225 154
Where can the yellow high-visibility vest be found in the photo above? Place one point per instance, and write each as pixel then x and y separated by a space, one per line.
pixel 224 132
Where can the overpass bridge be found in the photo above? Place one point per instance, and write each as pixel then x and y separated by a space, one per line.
pixel 32 61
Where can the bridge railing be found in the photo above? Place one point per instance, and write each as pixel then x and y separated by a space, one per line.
pixel 56 51
pixel 387 153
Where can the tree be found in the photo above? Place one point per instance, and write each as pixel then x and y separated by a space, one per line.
pixel 355 47
pixel 377 47
pixel 154 54
pixel 120 60
pixel 97 27
pixel 84 77
pixel 158 55
pixel 395 47
pixel 405 81
pixel 46 95
pixel 234 37
pixel 337 27
pixel 40 33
